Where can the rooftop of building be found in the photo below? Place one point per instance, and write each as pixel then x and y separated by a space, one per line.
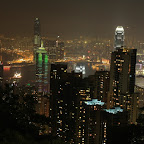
pixel 114 110
pixel 94 102
pixel 119 29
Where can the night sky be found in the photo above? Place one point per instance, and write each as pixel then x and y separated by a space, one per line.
pixel 72 17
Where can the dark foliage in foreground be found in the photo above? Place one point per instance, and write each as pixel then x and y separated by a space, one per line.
pixel 130 134
pixel 18 121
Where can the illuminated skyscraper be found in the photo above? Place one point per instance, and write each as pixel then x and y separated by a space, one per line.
pixel 41 58
pixel 122 82
pixel 37 33
pixel 119 37
pixel 95 123
pixel 101 85
pixel 37 27
pixel 59 49
pixel 64 102
pixel 42 70
pixel 89 122
pixel 122 75
pixel 37 37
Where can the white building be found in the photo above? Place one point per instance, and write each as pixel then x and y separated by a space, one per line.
pixel 119 37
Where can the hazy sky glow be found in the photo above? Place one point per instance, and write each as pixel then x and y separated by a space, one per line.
pixel 71 17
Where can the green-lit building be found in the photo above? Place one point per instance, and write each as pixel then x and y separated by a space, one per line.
pixel 41 70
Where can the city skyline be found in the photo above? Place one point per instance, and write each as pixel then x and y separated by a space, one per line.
pixel 72 18
pixel 70 70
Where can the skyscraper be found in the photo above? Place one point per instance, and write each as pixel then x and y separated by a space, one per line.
pixel 89 122
pixel 37 35
pixel 42 70
pixel 64 102
pixel 119 37
pixel 60 49
pixel 37 27
pixel 41 59
pixel 101 85
pixel 122 75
